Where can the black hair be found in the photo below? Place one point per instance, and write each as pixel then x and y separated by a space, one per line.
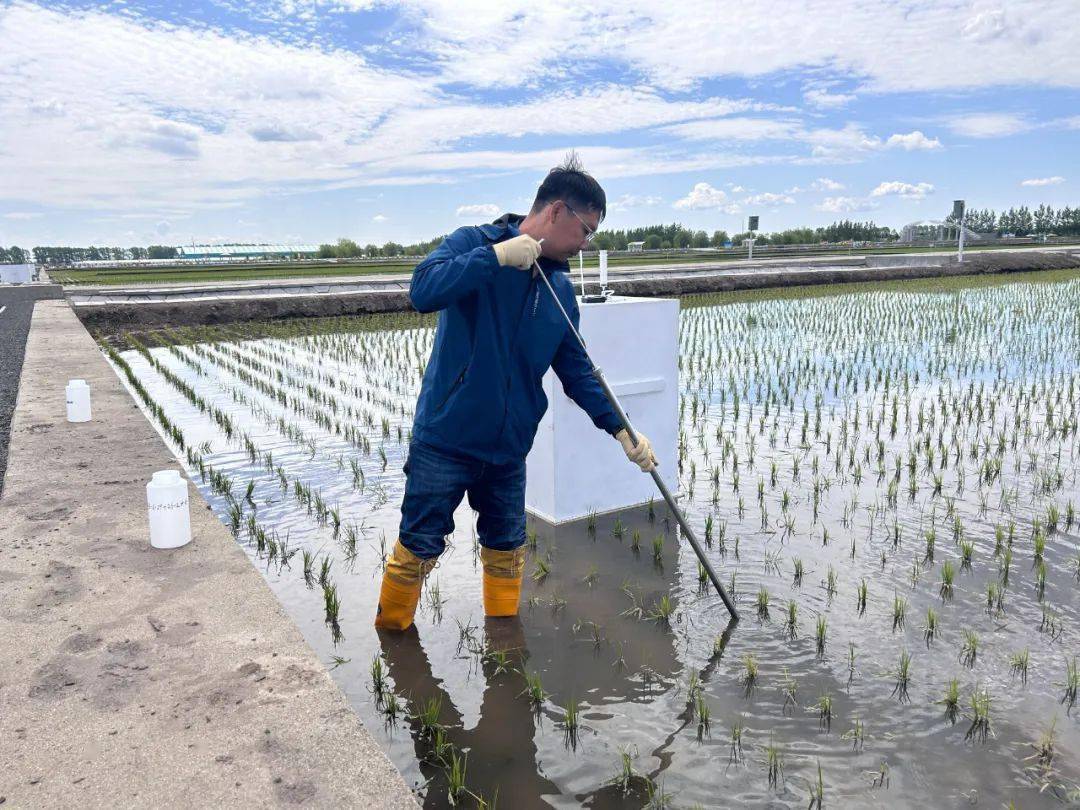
pixel 573 185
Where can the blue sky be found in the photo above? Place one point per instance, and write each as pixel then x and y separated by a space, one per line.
pixel 303 121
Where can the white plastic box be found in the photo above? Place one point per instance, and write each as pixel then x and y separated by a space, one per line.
pixel 575 468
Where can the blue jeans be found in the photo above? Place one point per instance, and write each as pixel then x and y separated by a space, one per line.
pixel 434 485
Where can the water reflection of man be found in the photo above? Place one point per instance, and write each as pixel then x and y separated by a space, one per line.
pixel 482 396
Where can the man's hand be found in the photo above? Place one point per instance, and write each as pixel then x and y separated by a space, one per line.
pixel 519 252
pixel 641 454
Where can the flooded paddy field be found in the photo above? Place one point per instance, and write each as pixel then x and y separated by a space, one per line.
pixel 885 476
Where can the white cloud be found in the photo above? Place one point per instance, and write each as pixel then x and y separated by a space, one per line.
pixel 736 129
pixel 912 140
pixel 379 218
pixel 702 197
pixel 769 198
pixel 844 205
pixel 988 125
pixel 910 191
pixel 889 47
pixel 1043 181
pixel 483 211
pixel 818 97
pixel 825 184
pixel 628 201
pixel 23 215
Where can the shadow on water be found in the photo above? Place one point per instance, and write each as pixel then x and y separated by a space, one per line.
pixel 598 626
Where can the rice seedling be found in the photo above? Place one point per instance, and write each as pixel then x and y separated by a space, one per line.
pixel 830 582
pixel 817 792
pixel 378 679
pixel 948 574
pixel 763 604
pixel 427 716
pixel 658 549
pixel 455 777
pixel 995 599
pixel 735 754
pixel 969 649
pixel 951 701
pixel 331 603
pixel 824 707
pixel 902 677
pixel 542 570
pixel 1071 684
pixel 1044 756
pixel 788 687
pixel 309 562
pixel 704 716
pixel 656 797
pixel 981 726
pixel 899 613
pixel 324 572
pixel 627 776
pixel 820 630
pixel 774 765
pixel 791 625
pixel 797 577
pixel 391 708
pixel 860 597
pixel 857 735
pixel 881 776
pixel 662 610
pixel 750 674
pixel 618 529
pixel 635 541
pixel 591 576
pixel 930 628
pixel 1018 663
pixel 967 550
pixel 571 719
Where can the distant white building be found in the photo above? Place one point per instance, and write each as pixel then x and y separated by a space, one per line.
pixel 935 230
pixel 237 251
pixel 635 247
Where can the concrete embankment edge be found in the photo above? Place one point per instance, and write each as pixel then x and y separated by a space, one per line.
pixel 138 677
pixel 118 315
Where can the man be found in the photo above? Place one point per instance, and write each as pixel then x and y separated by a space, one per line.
pixel 482 397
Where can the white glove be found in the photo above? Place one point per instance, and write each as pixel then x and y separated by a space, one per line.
pixel 519 252
pixel 641 454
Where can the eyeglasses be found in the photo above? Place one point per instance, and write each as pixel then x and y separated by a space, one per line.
pixel 590 234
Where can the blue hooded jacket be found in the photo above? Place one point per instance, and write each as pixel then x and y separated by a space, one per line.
pixel 498 333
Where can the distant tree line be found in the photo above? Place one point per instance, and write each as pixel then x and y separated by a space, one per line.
pixel 1024 221
pixel 69 255
pixel 662 237
pixel 14 255
pixel 348 249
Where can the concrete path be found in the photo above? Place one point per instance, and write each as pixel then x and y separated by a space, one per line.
pixel 134 677
pixel 16 307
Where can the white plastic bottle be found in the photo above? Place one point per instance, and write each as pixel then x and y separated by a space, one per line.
pixel 77 395
pixel 167 505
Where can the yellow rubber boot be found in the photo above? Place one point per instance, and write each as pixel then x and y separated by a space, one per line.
pixel 502 580
pixel 402 582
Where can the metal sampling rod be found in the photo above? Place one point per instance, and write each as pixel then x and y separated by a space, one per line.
pixel 689 532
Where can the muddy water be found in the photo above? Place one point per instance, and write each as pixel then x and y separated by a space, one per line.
pixel 590 628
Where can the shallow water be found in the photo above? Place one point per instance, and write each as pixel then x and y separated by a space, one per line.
pixel 989 359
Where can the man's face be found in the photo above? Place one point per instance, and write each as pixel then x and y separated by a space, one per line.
pixel 570 229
